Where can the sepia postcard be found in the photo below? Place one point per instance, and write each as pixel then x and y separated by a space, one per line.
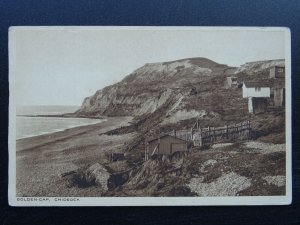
pixel 146 116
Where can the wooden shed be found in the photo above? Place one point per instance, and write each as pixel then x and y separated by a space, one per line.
pixel 277 72
pixel 165 145
pixel 231 82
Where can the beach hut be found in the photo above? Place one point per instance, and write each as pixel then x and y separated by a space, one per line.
pixel 165 145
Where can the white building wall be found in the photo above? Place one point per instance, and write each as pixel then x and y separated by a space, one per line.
pixel 263 92
pixel 250 105
pixel 272 72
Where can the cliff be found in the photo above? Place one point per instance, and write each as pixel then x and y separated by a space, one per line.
pixel 177 90
pixel 259 66
pixel 149 87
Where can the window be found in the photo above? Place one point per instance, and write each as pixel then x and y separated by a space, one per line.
pixel 257 88
pixel 280 70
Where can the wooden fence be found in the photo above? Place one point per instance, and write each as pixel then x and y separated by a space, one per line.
pixel 209 135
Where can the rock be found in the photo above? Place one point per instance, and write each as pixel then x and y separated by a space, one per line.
pixel 221 145
pixel 227 185
pixel 264 148
pixel 278 181
pixel 207 164
pixel 99 175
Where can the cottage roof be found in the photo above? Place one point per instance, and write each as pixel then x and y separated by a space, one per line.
pixel 283 66
pixel 155 138
pixel 163 136
pixel 257 84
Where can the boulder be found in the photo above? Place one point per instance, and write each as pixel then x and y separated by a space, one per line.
pixel 99 175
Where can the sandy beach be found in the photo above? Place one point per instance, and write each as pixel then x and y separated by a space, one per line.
pixel 41 159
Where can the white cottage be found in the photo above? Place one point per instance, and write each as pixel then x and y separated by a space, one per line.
pixel 257 94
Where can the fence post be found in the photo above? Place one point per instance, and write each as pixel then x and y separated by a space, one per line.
pixel 200 138
pixel 227 135
pixel 158 143
pixel 145 151
pixel 209 136
pixel 234 131
pixel 249 130
pixel 146 147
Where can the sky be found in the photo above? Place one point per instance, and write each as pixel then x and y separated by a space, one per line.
pixel 62 66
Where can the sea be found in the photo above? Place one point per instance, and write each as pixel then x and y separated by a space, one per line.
pixel 33 126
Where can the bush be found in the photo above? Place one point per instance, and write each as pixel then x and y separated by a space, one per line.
pixel 80 180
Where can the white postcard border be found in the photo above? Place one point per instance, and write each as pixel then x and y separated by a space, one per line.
pixel 146 201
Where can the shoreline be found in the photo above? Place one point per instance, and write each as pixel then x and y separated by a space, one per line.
pixel 61 129
pixel 41 159
pixel 33 142
pixel 67 115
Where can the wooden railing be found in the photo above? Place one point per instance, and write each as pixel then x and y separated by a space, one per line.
pixel 209 135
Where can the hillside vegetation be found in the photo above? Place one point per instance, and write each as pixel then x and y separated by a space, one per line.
pixel 172 95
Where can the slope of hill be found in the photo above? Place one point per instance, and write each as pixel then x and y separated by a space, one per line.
pixel 259 66
pixel 172 94
pixel 149 87
pixel 167 96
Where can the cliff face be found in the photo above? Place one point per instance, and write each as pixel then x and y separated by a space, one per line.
pixel 259 66
pixel 151 86
pixel 178 90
